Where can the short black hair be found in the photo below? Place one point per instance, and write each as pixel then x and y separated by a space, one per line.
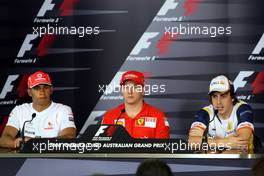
pixel 153 167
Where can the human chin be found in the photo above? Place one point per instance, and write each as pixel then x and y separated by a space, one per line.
pixel 222 111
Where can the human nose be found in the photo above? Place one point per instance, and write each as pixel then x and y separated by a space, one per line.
pixel 130 90
pixel 42 89
pixel 218 100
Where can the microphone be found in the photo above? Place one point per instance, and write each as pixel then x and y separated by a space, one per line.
pixel 22 142
pixel 122 112
pixel 216 112
pixel 205 138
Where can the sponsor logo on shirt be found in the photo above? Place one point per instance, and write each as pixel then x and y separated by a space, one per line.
pixel 149 122
pixel 140 122
pixel 71 118
pixel 229 132
pixel 120 122
pixel 29 132
pixel 230 126
pixel 49 127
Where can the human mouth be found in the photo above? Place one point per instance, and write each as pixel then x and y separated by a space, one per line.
pixel 220 109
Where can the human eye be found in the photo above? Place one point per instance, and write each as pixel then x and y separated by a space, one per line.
pixel 214 96
pixel 36 88
pixel 224 95
pixel 46 86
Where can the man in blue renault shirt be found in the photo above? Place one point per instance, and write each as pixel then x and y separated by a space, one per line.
pixel 227 121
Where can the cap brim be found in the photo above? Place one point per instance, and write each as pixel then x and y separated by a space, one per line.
pixel 136 82
pixel 222 92
pixel 40 83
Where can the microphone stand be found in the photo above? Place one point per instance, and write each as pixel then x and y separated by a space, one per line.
pixel 23 142
pixel 205 134
pixel 122 112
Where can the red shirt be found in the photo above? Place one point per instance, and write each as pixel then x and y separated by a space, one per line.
pixel 150 122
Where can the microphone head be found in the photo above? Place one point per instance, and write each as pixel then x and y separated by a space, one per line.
pixel 215 111
pixel 33 115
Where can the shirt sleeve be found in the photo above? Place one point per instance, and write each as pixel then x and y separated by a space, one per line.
pixel 13 119
pixel 67 118
pixel 245 117
pixel 162 130
pixel 201 119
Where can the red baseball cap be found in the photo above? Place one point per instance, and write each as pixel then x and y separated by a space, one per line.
pixel 38 78
pixel 135 76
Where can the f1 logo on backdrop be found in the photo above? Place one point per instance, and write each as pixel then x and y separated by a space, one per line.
pixel 14 88
pixel 100 131
pixel 259 46
pixel 188 6
pixel 47 5
pixel 256 53
pixel 144 42
pixel 240 79
pixel 8 87
pixel 257 85
pixel 178 10
pixel 168 5
pixel 104 133
pixel 27 44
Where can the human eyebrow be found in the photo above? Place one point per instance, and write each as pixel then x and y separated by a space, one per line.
pixel 36 87
pixel 225 94
pixel 214 95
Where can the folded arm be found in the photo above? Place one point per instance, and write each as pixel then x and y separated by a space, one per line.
pixel 8 138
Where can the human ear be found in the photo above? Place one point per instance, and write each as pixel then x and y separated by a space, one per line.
pixel 29 93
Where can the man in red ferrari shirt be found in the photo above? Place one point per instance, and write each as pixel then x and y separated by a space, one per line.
pixel 140 119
